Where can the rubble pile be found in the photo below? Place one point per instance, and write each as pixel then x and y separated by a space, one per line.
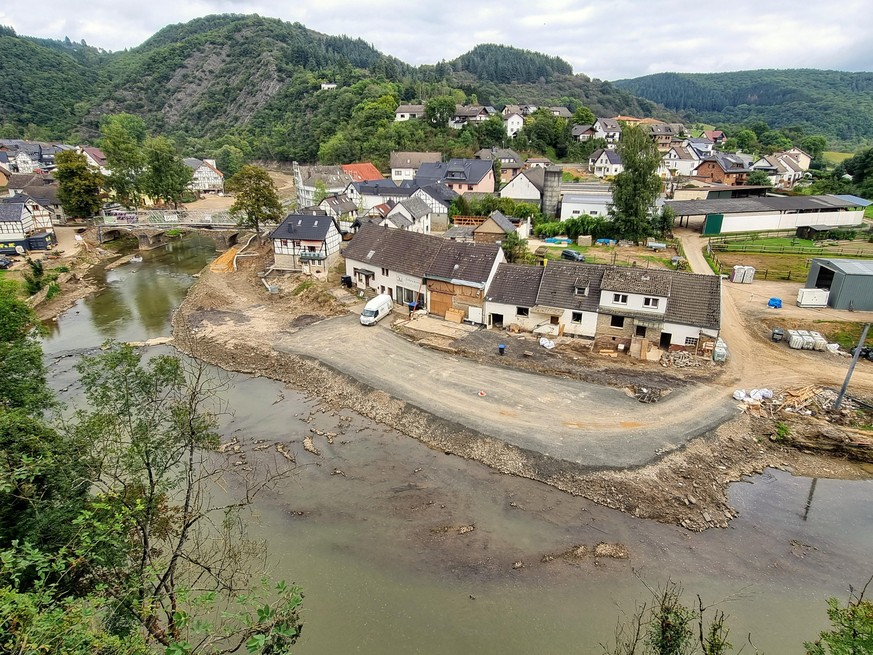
pixel 681 359
pixel 810 400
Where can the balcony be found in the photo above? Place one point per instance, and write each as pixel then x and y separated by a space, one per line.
pixel 312 256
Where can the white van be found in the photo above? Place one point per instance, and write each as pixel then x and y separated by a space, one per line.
pixel 377 309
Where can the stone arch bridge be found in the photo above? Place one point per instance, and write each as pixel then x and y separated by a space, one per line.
pixel 154 228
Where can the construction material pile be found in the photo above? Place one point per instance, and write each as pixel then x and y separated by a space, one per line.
pixel 810 400
pixel 681 359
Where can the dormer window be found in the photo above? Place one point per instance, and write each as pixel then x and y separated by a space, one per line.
pixel 581 290
pixel 651 303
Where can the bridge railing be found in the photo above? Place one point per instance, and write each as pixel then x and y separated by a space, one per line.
pixel 169 218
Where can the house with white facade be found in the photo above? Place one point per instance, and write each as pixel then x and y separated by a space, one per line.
pixel 408 112
pixel 412 214
pixel 308 180
pixel 679 161
pixel 583 132
pixel 307 243
pixel 513 124
pixel 341 208
pixel 604 162
pixel 404 165
pixel 592 204
pixel 438 274
pixel 609 130
pixel 526 187
pixel 370 194
pixel 96 159
pixel 642 312
pixel 22 218
pixel 206 178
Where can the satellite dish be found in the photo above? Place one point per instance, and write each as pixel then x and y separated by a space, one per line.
pixel 19 250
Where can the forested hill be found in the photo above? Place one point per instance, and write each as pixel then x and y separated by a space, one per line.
pixel 504 64
pixel 837 104
pixel 254 83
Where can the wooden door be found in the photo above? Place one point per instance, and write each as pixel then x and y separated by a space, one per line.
pixel 440 302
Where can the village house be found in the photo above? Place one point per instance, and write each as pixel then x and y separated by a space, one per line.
pixel 23 222
pixel 609 130
pixel 513 123
pixel 592 204
pixel 604 162
pixel 642 312
pixel 679 160
pixel 362 172
pixel 408 112
pixel 328 86
pixel 341 208
pixel 523 110
pixel 561 112
pixel 459 175
pixel 307 243
pixel 370 194
pixel 583 132
pixel 487 229
pixel 308 180
pixel 404 165
pixel 439 198
pixel 206 178
pixel 42 189
pixel 537 162
pixel 722 168
pixel 782 170
pixel 470 114
pixel 526 187
pixel 662 135
pixel 802 158
pixel 494 229
pixel 412 214
pixel 442 276
pixel 716 136
pixel 510 161
pixel 96 159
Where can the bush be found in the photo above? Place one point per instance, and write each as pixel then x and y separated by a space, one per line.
pixel 548 230
pixel 53 289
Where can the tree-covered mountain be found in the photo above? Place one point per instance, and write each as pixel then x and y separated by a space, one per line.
pixel 505 64
pixel 254 84
pixel 836 104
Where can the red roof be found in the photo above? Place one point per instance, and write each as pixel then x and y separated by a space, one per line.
pixel 96 154
pixel 712 135
pixel 362 172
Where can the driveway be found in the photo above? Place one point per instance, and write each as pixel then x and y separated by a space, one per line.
pixel 576 421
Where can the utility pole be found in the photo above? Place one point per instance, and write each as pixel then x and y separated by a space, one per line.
pixel 857 354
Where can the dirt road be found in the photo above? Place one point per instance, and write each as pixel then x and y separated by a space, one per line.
pixel 754 360
pixel 576 421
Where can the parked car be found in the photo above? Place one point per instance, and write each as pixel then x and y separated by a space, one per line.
pixel 572 255
pixel 5 263
pixel 377 309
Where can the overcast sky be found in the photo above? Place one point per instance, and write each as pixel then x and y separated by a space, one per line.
pixel 607 39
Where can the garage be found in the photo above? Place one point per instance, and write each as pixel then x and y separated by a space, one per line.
pixel 850 282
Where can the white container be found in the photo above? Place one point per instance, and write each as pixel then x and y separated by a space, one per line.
pixel 737 274
pixel 749 275
pixel 808 340
pixel 820 342
pixel 795 341
pixel 812 297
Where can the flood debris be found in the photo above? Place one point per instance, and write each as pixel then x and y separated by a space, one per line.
pixel 283 451
pixel 309 447
pixel 457 529
pixel 229 445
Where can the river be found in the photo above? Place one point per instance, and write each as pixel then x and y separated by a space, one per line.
pixel 370 527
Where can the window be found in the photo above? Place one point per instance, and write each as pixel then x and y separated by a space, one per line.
pixel 619 299
pixel 690 341
pixel 469 187
pixel 581 291
pixel 641 331
pixel 554 320
pixel 651 303
pixel 576 212
pixel 576 317
pixel 385 271
pixel 616 321
pixel 593 212
pixel 522 311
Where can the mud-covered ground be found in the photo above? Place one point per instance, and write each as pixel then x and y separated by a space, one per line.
pixel 230 321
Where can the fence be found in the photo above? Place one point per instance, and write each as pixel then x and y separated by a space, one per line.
pixel 761 274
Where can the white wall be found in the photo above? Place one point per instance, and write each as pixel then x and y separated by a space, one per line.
pixel 381 283
pixel 678 333
pixel 521 188
pixel 400 174
pixel 592 207
pixel 586 327
pixel 634 302
pixel 770 221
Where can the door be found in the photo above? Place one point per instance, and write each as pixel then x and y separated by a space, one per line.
pixel 712 224
pixel 440 302
pixel 666 338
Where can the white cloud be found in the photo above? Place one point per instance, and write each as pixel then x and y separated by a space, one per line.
pixel 607 40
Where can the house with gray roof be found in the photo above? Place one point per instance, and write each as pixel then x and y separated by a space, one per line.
pixel 526 187
pixel 459 175
pixel 604 162
pixel 439 274
pixel 404 165
pixel 310 179
pixel 308 243
pixel 609 130
pixel 412 214
pixel 510 161
pixel 205 176
pixel 408 112
pixel 638 311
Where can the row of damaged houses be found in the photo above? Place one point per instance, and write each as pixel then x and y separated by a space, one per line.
pixel 634 310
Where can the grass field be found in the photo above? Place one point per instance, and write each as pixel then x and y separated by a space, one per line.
pixel 769 267
pixel 833 157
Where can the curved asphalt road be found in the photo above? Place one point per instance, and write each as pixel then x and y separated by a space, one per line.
pixel 576 421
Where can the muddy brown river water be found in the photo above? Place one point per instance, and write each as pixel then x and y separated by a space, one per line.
pixel 385 568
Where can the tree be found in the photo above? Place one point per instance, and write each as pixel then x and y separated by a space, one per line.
pixel 176 565
pixel 664 221
pixel 515 248
pixel 438 111
pixel 257 201
pixel 123 139
pixel 492 132
pixel 583 116
pixel 22 371
pixel 747 140
pixel 78 184
pixel 320 192
pixel 166 177
pixel 229 159
pixel 759 178
pixel 851 630
pixel 814 146
pixel 636 188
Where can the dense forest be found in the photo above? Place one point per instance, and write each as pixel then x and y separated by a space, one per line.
pixel 836 104
pixel 252 86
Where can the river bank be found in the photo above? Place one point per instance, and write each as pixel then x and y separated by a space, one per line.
pixel 230 321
